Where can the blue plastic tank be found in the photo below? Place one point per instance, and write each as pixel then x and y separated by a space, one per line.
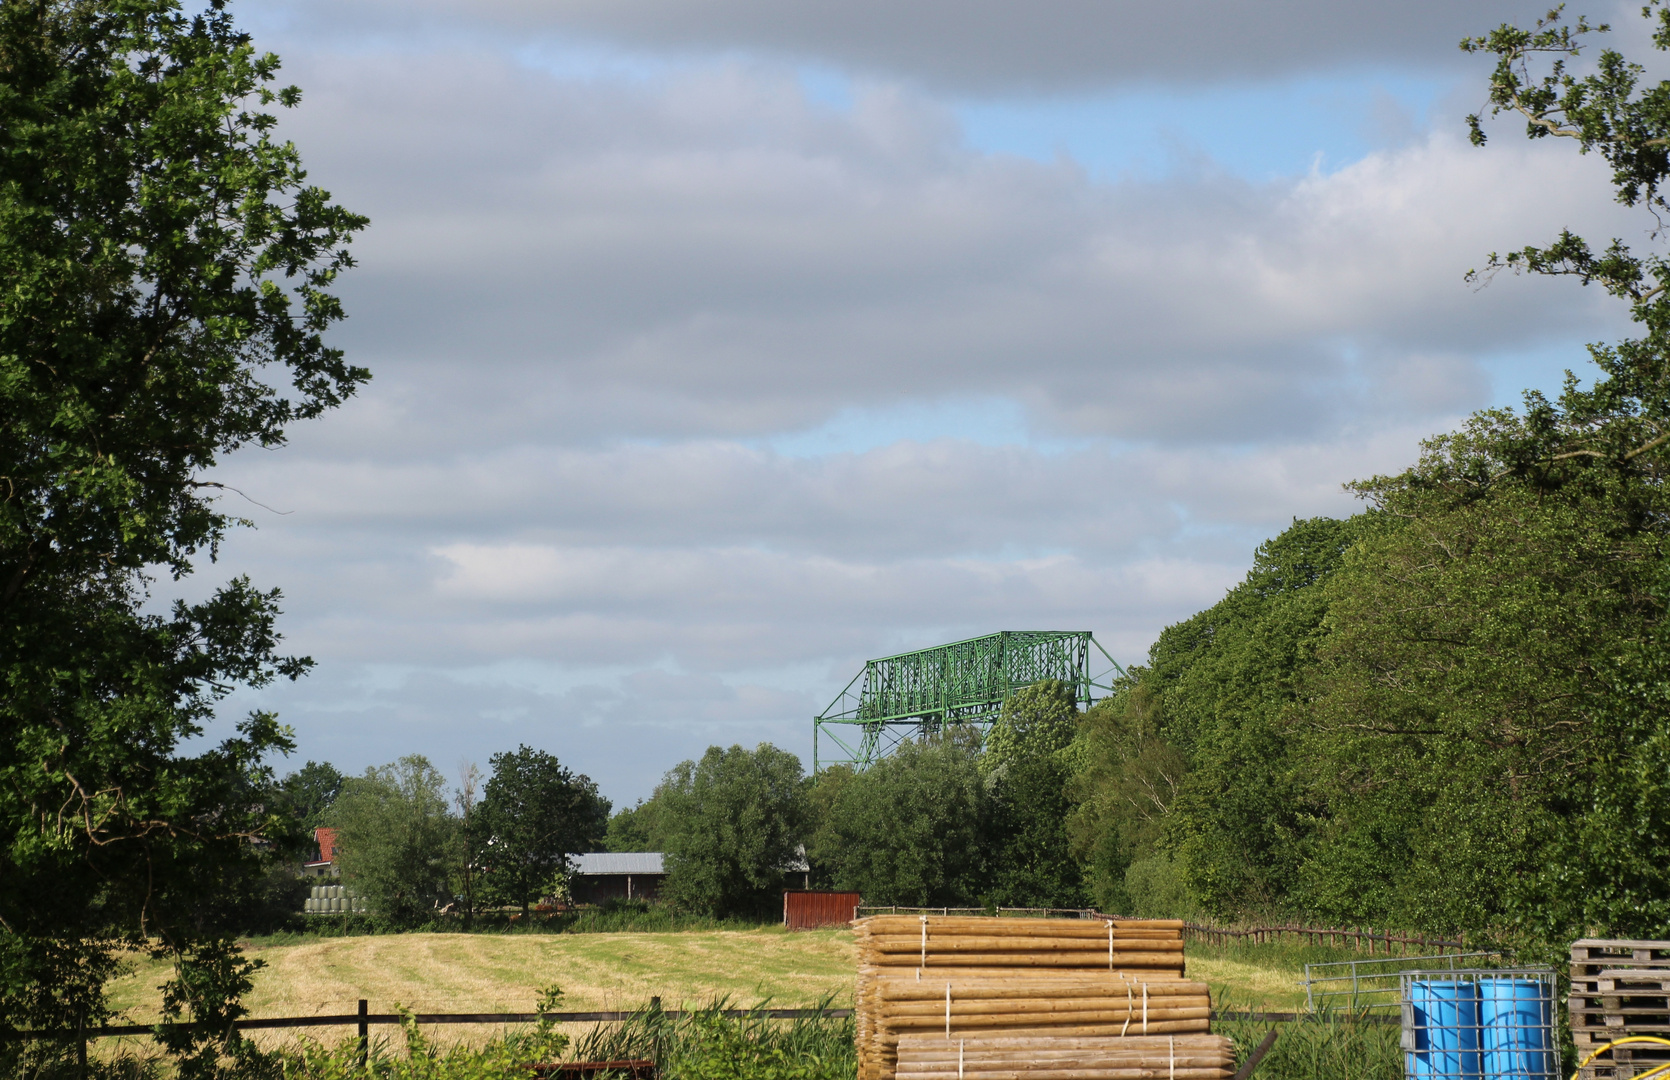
pixel 1446 1030
pixel 1514 1026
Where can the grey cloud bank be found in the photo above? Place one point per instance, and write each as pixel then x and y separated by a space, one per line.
pixel 713 255
pixel 994 46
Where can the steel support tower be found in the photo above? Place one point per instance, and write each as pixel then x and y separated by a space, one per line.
pixel 965 682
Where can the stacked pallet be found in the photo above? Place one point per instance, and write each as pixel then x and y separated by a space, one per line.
pixel 1620 988
pixel 928 984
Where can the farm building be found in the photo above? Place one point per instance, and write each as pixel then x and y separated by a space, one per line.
pixel 325 864
pixel 617 875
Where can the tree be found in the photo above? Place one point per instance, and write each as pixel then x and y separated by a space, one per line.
pixel 467 800
pixel 1189 770
pixel 912 828
pixel 397 844
pixel 307 793
pixel 1036 721
pixel 168 273
pixel 734 822
pixel 534 814
pixel 635 828
pixel 1491 702
pixel 1125 781
pixel 1027 765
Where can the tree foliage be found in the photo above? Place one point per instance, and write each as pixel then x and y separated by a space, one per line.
pixel 910 829
pixel 534 814
pixel 397 841
pixel 167 275
pixel 733 824
pixel 1027 761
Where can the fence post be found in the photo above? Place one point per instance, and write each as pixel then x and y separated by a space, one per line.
pixel 81 1046
pixel 365 1032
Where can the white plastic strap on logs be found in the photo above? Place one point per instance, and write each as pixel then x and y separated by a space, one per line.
pixel 1110 944
pixel 960 1059
pixel 1128 1009
pixel 947 1010
pixel 1173 1041
pixel 924 940
pixel 1145 1008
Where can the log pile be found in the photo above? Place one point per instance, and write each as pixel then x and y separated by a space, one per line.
pixel 1050 1057
pixel 1108 997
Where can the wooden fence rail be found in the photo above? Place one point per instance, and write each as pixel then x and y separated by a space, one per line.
pixel 364 1019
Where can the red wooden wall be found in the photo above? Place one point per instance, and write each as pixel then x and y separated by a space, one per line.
pixel 810 910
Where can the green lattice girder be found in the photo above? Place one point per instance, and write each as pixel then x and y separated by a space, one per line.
pixel 918 693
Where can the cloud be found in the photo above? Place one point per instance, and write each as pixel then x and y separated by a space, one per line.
pixel 713 255
pixel 992 46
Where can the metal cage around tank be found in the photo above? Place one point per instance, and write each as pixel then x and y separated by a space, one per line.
pixel 917 694
pixel 1480 1024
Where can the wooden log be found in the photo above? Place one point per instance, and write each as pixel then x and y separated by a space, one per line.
pixel 987 992
pixel 1158 1070
pixel 1023 1018
pixel 959 1005
pixel 974 1059
pixel 1176 1008
pixel 953 924
pixel 979 1063
pixel 895 943
pixel 1090 960
pixel 1023 1042
pixel 1065 1025
pixel 1069 1059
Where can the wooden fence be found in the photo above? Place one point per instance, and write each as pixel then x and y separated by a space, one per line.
pixel 364 1018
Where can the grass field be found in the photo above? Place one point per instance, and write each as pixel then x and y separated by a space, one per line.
pixel 505 972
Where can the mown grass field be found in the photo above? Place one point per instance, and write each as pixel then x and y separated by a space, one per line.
pixel 505 972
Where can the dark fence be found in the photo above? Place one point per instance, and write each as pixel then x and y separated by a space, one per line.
pixel 365 1018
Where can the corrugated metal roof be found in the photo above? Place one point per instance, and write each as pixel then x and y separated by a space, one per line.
pixel 619 862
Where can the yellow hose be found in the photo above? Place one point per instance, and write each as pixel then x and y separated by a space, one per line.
pixel 1662 1070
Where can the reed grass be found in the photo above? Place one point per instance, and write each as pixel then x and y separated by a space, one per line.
pixel 1328 1046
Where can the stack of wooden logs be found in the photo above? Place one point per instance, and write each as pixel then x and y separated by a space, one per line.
pixel 1056 1057
pixel 1030 999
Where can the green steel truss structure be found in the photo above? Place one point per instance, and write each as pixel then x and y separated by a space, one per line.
pixel 918 693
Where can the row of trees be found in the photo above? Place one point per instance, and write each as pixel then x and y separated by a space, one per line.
pixel 410 846
pixel 939 822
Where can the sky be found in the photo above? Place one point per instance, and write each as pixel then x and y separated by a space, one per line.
pixel 720 345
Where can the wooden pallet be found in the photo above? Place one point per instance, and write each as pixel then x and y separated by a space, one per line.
pixel 1620 988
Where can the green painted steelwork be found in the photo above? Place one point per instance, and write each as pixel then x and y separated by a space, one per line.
pixel 965 682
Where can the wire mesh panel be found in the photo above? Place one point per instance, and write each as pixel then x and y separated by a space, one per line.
pixel 1357 985
pixel 1479 1024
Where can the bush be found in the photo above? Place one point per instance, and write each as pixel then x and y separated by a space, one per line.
pixel 706 1044
pixel 507 1057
